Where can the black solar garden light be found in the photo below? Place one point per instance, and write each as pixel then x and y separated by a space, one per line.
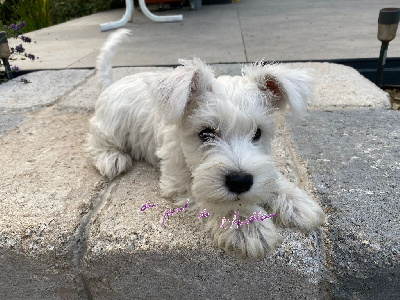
pixel 5 54
pixel 387 27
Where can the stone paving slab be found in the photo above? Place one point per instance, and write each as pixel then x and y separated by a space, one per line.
pixel 41 89
pixel 67 234
pixel 132 252
pixel 72 237
pixel 338 87
pixel 354 160
pixel 47 186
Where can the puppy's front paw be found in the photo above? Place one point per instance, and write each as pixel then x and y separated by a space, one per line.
pixel 112 163
pixel 296 208
pixel 250 240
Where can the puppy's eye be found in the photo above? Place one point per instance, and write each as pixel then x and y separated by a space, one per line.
pixel 257 135
pixel 207 134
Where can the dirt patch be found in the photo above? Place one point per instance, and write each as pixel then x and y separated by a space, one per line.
pixel 394 97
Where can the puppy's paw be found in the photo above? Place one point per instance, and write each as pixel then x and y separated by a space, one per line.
pixel 112 163
pixel 296 208
pixel 251 240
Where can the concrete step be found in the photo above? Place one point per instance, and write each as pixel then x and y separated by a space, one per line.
pixel 65 233
pixel 353 158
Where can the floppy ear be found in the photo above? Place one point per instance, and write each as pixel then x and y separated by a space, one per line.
pixel 173 90
pixel 282 85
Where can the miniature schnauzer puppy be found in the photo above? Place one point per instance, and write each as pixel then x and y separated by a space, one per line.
pixel 211 138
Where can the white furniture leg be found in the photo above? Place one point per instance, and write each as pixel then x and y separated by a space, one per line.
pixel 130 8
pixel 127 17
pixel 153 17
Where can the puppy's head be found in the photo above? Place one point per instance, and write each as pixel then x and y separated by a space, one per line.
pixel 225 126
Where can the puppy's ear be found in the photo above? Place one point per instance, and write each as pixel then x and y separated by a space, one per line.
pixel 282 85
pixel 173 90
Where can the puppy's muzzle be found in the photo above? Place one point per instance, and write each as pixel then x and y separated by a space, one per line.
pixel 238 183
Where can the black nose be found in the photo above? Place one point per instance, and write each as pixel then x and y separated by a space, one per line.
pixel 238 182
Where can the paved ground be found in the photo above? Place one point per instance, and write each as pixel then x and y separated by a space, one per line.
pixel 243 31
pixel 66 233
pixel 353 158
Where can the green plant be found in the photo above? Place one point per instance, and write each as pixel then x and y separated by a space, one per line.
pixel 42 13
pixel 7 13
pixel 62 10
pixel 36 13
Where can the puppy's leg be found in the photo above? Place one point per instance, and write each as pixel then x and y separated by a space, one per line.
pixel 248 240
pixel 107 158
pixel 295 207
pixel 176 177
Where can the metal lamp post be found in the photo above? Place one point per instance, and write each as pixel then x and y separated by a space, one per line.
pixel 387 26
pixel 5 54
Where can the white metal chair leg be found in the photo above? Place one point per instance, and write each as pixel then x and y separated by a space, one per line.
pixel 130 8
pixel 127 17
pixel 153 17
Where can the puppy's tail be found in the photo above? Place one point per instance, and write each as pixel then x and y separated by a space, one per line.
pixel 104 60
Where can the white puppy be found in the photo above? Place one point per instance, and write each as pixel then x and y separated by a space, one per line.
pixel 211 138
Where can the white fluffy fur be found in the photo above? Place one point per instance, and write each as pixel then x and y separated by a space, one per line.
pixel 157 117
pixel 107 54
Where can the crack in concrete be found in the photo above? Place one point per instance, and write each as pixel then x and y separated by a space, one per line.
pixel 82 234
pixel 69 92
pixel 241 33
pixel 305 181
pixel 78 60
pixel 54 100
